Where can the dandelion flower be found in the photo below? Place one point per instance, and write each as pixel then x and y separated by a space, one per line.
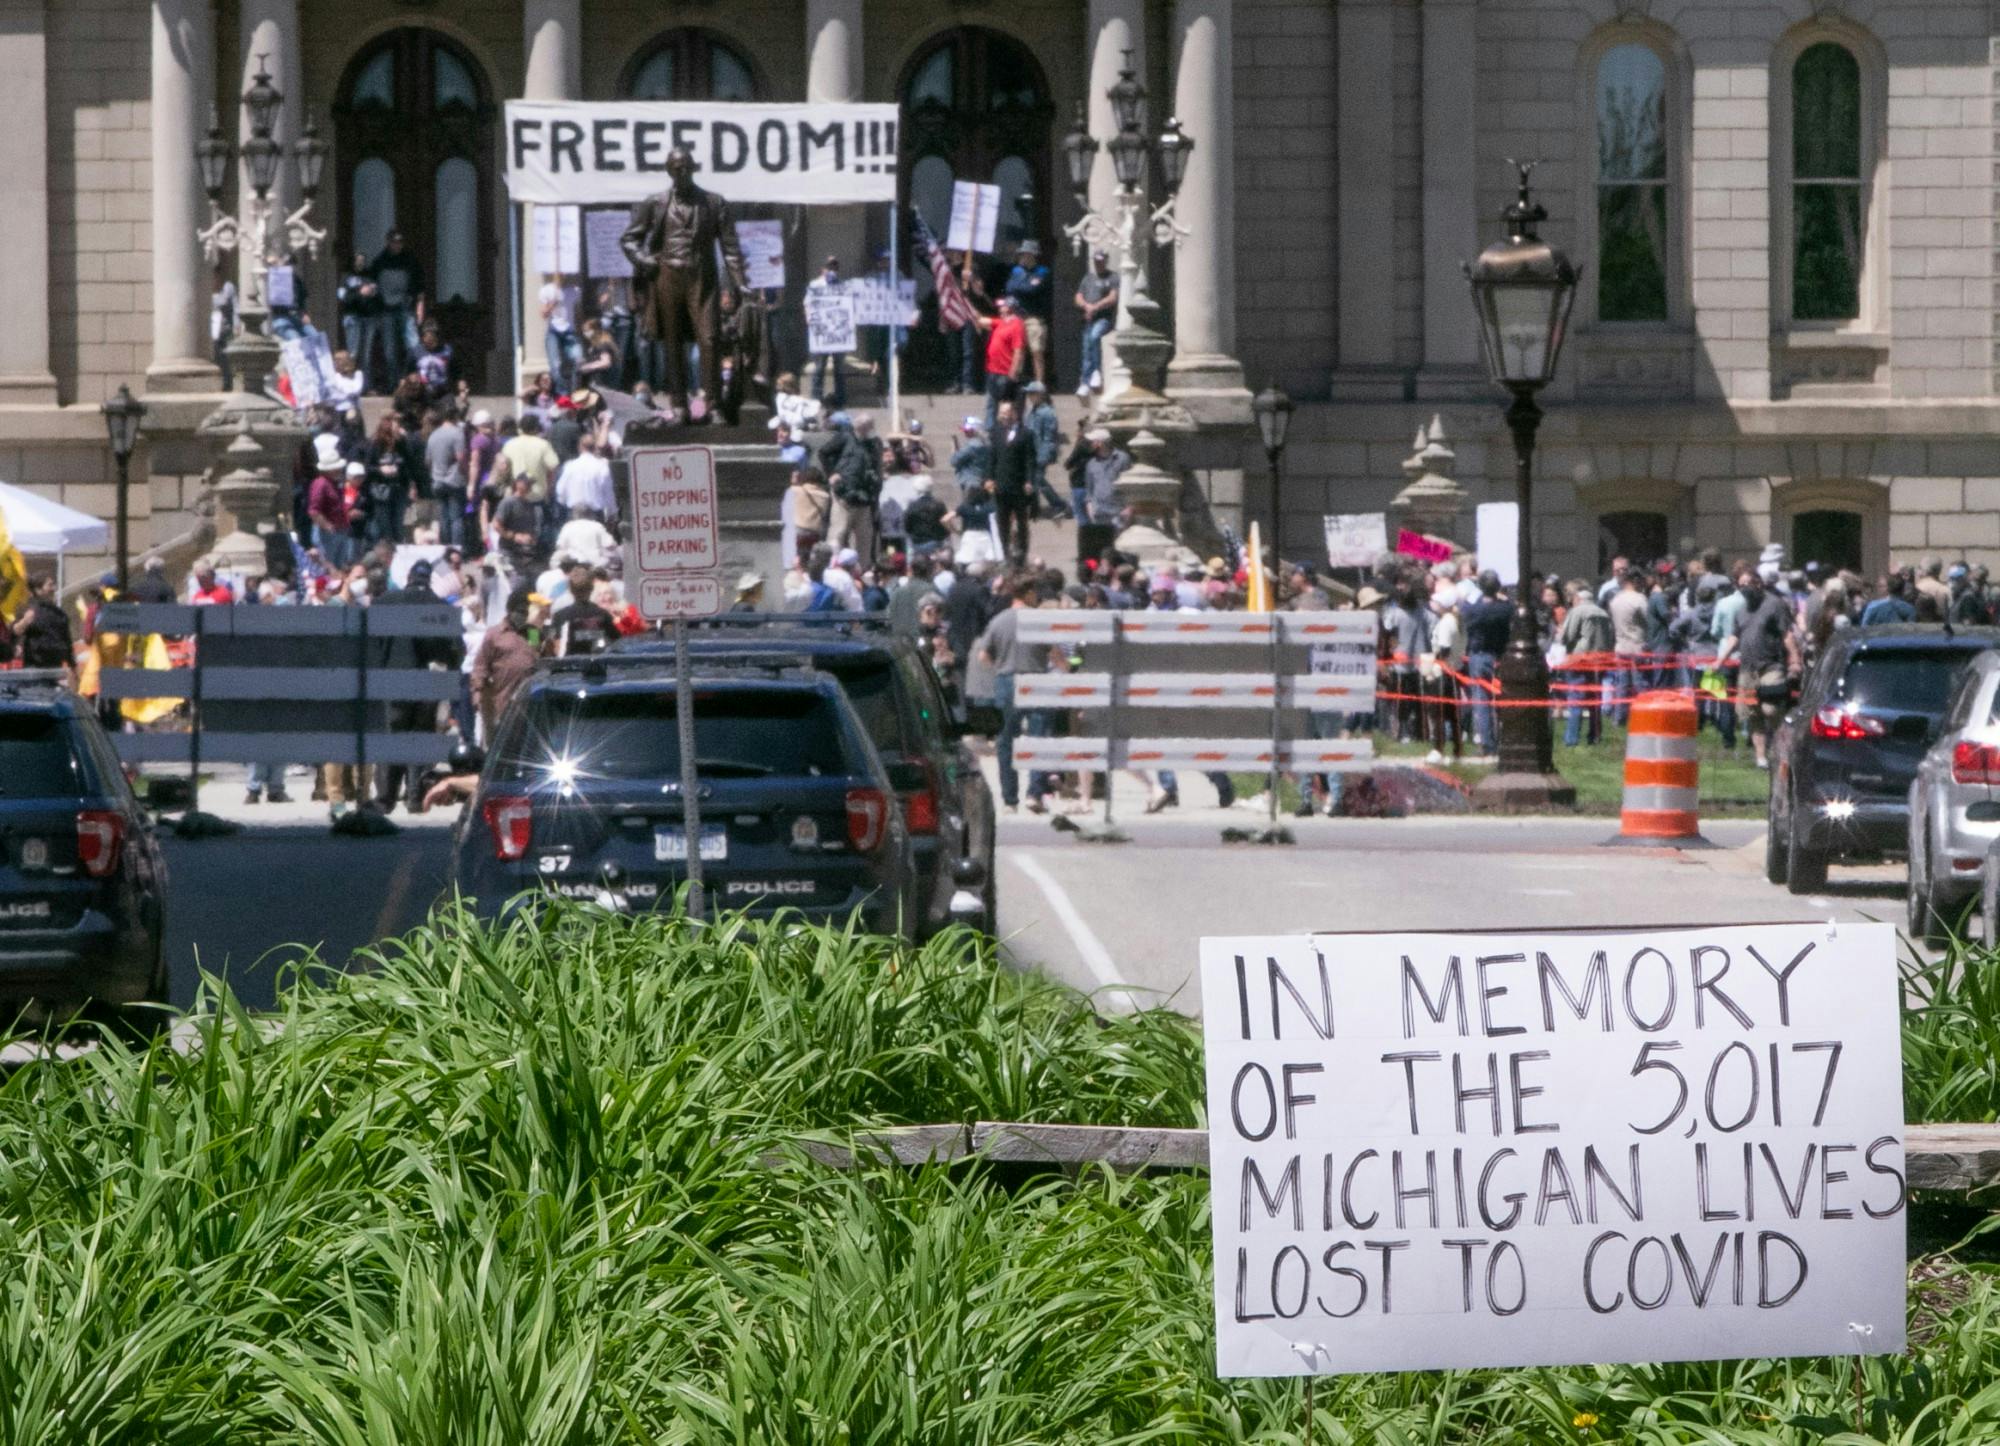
pixel 1583 1420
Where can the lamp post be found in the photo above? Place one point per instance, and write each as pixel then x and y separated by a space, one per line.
pixel 122 415
pixel 1139 351
pixel 261 155
pixel 1273 409
pixel 1522 289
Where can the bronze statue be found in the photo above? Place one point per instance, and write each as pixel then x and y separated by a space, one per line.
pixel 671 244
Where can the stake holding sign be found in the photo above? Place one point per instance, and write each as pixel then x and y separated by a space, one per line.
pixel 1449 1151
pixel 677 548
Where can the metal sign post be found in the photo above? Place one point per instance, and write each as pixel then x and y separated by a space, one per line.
pixel 677 550
pixel 690 788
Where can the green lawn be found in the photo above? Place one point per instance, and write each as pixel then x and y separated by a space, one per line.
pixel 1732 786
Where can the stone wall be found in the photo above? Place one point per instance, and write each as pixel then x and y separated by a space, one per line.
pixel 100 238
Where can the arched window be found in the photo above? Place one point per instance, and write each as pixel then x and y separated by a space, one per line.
pixel 1828 186
pixel 977 108
pixel 1638 537
pixel 1831 537
pixel 690 64
pixel 1634 185
pixel 413 151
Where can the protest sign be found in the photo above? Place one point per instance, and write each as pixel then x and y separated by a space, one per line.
pixel 281 287
pixel 763 247
pixel 601 233
pixel 558 246
pixel 591 152
pixel 829 321
pixel 975 217
pixel 877 303
pixel 302 373
pixel 1356 539
pixel 1422 546
pixel 1496 531
pixel 1445 1151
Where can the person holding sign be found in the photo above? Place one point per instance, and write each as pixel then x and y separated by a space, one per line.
pixel 564 346
pixel 829 280
pixel 672 244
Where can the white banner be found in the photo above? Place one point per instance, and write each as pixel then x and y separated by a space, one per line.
pixel 588 152
pixel 975 217
pixel 1451 1151
pixel 558 243
pixel 601 231
pixel 829 322
pixel 763 247
pixel 1356 539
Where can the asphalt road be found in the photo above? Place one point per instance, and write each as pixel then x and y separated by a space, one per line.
pixel 1122 920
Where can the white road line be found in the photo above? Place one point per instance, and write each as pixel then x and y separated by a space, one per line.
pixel 1548 893
pixel 1096 958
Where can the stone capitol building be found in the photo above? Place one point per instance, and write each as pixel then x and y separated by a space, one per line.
pixel 1785 211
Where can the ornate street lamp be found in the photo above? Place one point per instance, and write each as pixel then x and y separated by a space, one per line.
pixel 122 415
pixel 1522 289
pixel 1134 344
pixel 262 155
pixel 1273 409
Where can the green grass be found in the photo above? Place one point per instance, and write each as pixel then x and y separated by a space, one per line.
pixel 508 1186
pixel 1732 786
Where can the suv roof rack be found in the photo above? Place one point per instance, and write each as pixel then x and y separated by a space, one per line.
pixel 598 667
pixel 22 680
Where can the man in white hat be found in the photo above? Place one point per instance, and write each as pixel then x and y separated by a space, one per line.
pixel 749 594
pixel 326 504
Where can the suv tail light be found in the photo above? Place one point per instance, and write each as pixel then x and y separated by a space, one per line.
pixel 511 819
pixel 867 819
pixel 99 834
pixel 920 805
pixel 1975 763
pixel 1839 722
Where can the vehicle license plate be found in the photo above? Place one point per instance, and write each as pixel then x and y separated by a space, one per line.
pixel 670 844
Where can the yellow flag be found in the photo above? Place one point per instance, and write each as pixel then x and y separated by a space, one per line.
pixel 13 575
pixel 152 652
pixel 1258 598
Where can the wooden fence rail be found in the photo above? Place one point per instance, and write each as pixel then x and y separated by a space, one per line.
pixel 1954 1158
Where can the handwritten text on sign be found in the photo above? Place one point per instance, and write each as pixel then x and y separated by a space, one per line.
pixel 674 509
pixel 1460 1150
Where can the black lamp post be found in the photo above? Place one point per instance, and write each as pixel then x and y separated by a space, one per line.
pixel 122 415
pixel 1522 289
pixel 1273 410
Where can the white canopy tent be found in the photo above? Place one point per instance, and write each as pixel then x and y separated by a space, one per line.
pixel 41 526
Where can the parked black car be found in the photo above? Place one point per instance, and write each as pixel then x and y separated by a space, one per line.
pixel 581 795
pixel 946 801
pixel 82 881
pixel 1843 759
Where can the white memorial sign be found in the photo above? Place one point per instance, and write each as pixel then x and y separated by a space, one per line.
pixel 1356 539
pixel 1449 1151
pixel 598 152
pixel 829 322
pixel 676 542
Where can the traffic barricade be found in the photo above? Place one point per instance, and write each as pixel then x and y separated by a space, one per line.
pixel 288 685
pixel 1661 806
pixel 1217 692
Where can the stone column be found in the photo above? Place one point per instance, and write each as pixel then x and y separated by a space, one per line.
pixel 833 74
pixel 24 179
pixel 1205 376
pixel 268 33
pixel 183 83
pixel 1451 228
pixel 553 32
pixel 1367 201
pixel 1112 28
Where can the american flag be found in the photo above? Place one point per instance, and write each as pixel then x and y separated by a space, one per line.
pixel 954 311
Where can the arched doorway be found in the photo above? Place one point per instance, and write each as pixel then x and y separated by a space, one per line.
pixel 413 152
pixel 689 64
pixel 976 107
pixel 1831 537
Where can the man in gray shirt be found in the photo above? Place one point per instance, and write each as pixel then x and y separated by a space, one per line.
pixel 1097 300
pixel 1000 646
pixel 444 450
pixel 1101 472
pixel 1765 640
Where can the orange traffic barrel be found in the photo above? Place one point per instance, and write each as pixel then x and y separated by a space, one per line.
pixel 1662 774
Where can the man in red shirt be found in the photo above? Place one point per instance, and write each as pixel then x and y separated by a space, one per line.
pixel 1006 356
